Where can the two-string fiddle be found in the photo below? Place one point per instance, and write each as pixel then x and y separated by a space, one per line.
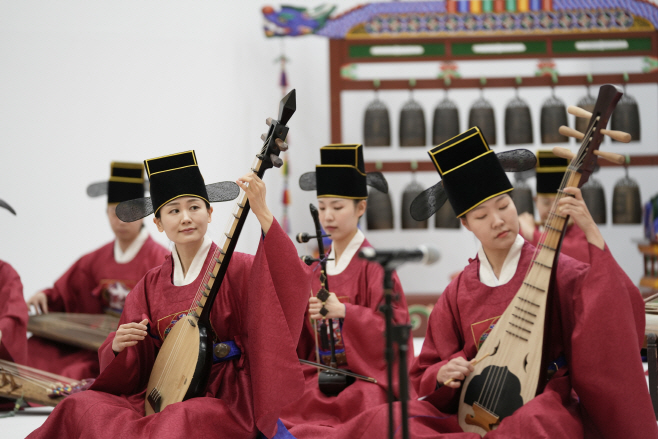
pixel 331 383
pixel 331 380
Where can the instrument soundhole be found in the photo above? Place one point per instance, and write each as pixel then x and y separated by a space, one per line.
pixel 497 390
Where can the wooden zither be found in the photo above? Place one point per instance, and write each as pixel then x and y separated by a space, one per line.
pixel 183 364
pixel 509 365
pixel 87 331
pixel 36 386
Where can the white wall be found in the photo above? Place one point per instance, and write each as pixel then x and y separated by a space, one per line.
pixel 84 83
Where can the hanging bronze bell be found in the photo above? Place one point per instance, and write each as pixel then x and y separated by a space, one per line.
pixel 626 202
pixel 594 198
pixel 482 116
pixel 412 124
pixel 446 218
pixel 626 117
pixel 518 123
pixel 446 121
pixel 379 213
pixel 586 103
pixel 553 115
pixel 412 190
pixel 522 197
pixel 376 125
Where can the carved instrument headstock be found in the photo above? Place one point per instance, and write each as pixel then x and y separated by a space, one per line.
pixel 274 140
pixel 585 160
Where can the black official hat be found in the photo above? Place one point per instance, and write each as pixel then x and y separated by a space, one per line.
pixel 174 176
pixel 7 206
pixel 471 174
pixel 126 182
pixel 550 172
pixel 342 174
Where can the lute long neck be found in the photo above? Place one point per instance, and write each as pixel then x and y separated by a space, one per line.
pixel 216 271
pixel 265 159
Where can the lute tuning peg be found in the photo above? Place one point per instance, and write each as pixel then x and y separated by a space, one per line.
pixel 619 136
pixel 609 156
pixel 276 160
pixel 283 146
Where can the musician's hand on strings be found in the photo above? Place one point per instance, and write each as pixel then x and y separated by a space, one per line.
pixel 457 370
pixel 576 208
pixel 527 222
pixel 39 301
pixel 333 305
pixel 256 191
pixel 129 334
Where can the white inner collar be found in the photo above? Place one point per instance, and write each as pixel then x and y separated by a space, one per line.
pixel 195 267
pixel 121 257
pixel 345 259
pixel 486 273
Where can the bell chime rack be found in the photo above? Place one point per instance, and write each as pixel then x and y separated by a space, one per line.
pixel 505 82
pixel 424 166
pixel 344 52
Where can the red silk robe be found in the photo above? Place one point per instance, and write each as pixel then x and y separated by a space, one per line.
pixel 360 288
pixel 13 316
pixel 13 321
pixel 95 284
pixel 574 243
pixel 260 306
pixel 601 393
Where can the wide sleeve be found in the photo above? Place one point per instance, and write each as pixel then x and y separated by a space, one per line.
pixel 364 326
pixel 277 291
pixel 72 291
pixel 13 316
pixel 606 369
pixel 128 372
pixel 291 277
pixel 443 342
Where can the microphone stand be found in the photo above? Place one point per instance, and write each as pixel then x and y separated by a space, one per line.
pixel 398 334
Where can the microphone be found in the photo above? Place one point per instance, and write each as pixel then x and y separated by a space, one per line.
pixel 308 260
pixel 425 254
pixel 305 237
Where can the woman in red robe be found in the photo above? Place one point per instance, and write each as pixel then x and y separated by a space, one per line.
pixel 550 171
pixel 13 312
pixel 99 281
pixel 13 317
pixel 597 388
pixel 257 316
pixel 357 293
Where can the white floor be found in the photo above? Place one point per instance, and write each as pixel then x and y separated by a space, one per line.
pixel 26 421
pixel 23 422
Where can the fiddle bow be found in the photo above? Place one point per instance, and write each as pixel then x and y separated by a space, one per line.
pixel 331 380
pixel 331 383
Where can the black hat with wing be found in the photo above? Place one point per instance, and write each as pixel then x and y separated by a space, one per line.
pixel 126 182
pixel 471 174
pixel 5 205
pixel 550 172
pixel 174 176
pixel 342 174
